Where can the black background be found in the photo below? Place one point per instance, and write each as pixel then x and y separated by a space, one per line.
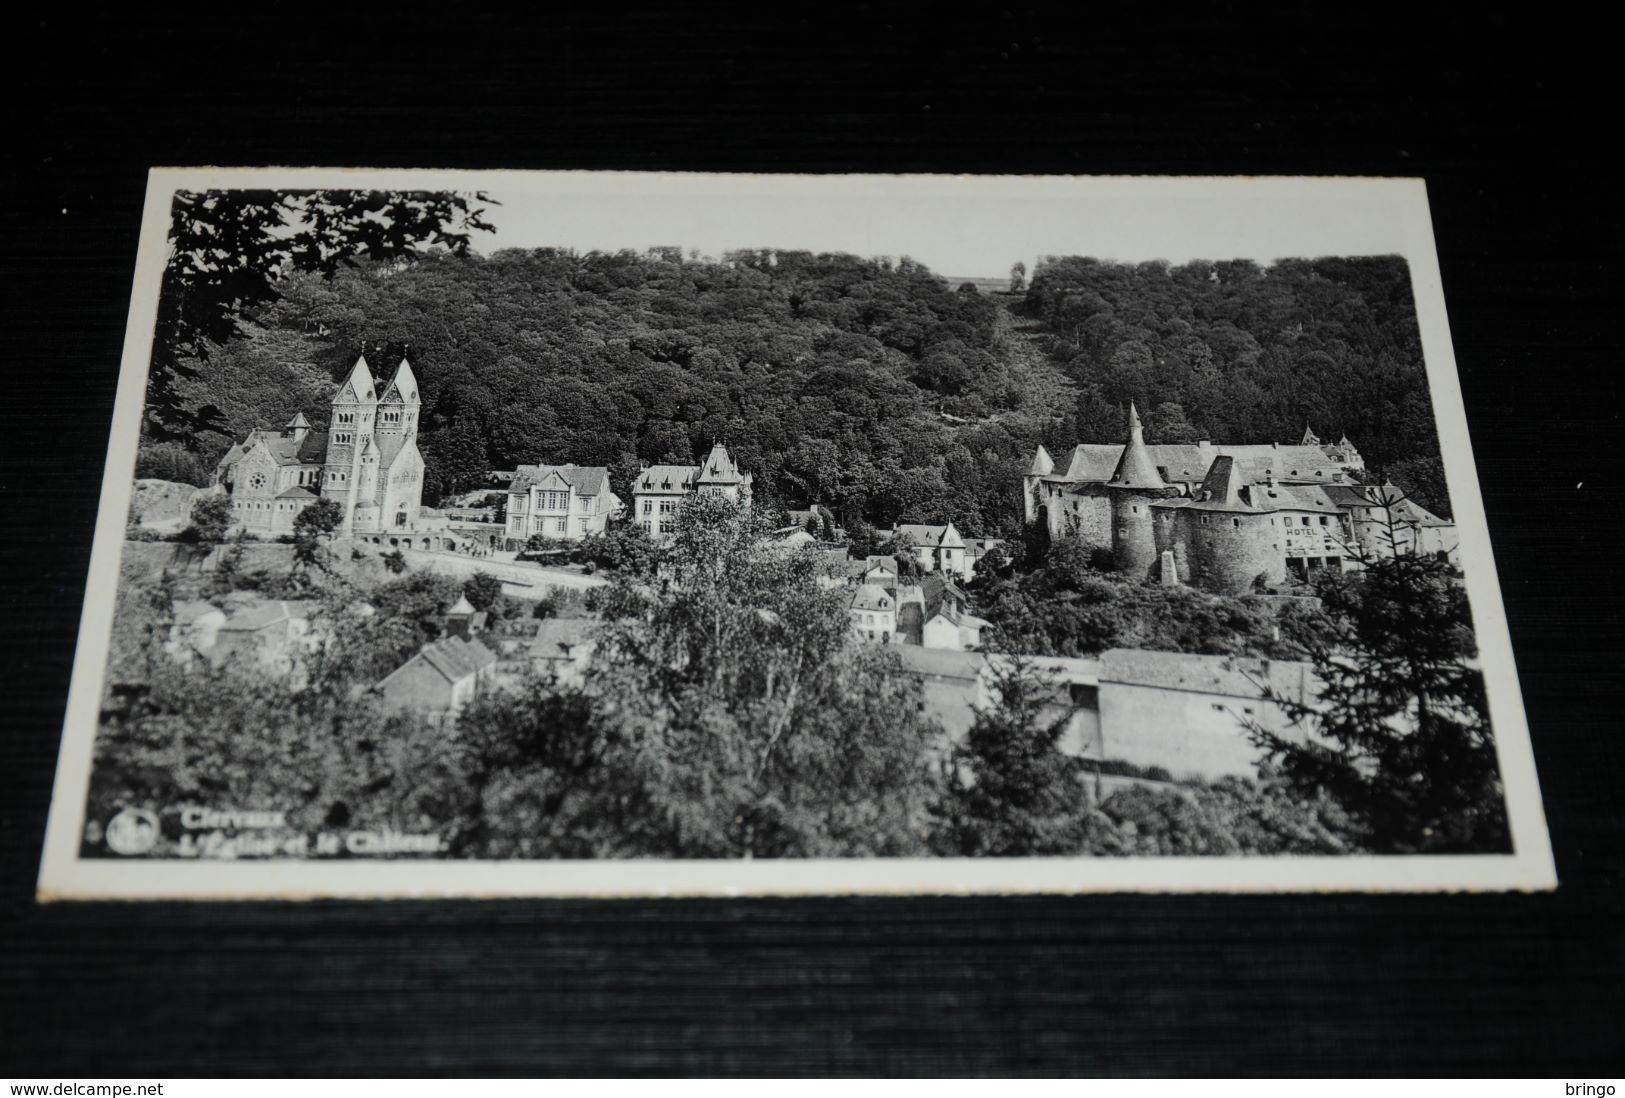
pixel 1508 116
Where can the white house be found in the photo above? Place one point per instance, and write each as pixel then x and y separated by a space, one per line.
pixel 874 613
pixel 566 502
pixel 659 489
pixel 937 548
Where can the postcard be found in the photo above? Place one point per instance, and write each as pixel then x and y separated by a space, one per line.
pixel 478 534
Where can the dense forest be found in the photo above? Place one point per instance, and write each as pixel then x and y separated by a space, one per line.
pixel 868 386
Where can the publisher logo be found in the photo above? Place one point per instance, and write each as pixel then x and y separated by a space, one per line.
pixel 133 831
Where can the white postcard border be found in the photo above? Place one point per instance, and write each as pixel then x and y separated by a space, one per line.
pixel 64 875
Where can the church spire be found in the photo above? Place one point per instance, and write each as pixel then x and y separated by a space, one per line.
pixel 1309 438
pixel 1135 469
pixel 358 387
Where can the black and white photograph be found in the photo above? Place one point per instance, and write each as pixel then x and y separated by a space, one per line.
pixel 492 533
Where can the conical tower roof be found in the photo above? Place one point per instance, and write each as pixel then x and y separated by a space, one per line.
pixel 299 421
pixel 718 467
pixel 403 386
pixel 1043 465
pixel 1309 437
pixel 358 387
pixel 1135 469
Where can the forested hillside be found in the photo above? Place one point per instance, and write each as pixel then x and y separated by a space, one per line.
pixel 867 386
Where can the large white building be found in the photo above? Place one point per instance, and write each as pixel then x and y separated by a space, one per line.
pixel 566 502
pixel 659 489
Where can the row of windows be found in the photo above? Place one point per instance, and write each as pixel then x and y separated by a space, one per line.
pixel 559 525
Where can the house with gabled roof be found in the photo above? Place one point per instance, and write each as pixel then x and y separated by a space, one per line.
pixel 566 502
pixel 659 490
pixel 440 680
pixel 873 611
pixel 936 548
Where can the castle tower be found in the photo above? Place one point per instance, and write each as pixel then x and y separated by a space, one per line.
pixel 1032 493
pixel 1133 486
pixel 349 431
pixel 1229 538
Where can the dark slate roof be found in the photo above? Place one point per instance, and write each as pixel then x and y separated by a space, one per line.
pixel 666 478
pixel 926 535
pixel 719 468
pixel 1296 497
pixel 1371 495
pixel 870 597
pixel 587 480
pixel 455 658
pixel 1135 469
pixel 1188 463
pixel 311 450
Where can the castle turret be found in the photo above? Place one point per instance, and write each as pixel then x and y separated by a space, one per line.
pixel 298 427
pixel 1230 541
pixel 1133 486
pixel 718 475
pixel 1032 492
pixel 354 410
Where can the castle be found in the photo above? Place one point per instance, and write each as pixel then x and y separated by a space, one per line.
pixel 1226 518
pixel 367 461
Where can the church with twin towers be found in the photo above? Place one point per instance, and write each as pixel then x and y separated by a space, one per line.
pixel 367 461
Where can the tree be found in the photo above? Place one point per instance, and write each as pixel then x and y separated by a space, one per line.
pixel 746 720
pixel 1400 731
pixel 395 561
pixel 1010 789
pixel 211 520
pixel 311 526
pixel 1018 278
pixel 230 248
pixel 482 590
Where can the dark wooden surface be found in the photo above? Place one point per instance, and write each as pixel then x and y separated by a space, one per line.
pixel 1506 115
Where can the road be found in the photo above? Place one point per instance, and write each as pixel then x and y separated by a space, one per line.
pixel 525 581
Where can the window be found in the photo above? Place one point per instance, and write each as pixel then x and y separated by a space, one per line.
pixel 1306 520
pixel 560 525
pixel 1323 521
pixel 648 507
pixel 1235 522
pixel 587 503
